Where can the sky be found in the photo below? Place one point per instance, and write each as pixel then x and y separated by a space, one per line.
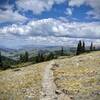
pixel 49 22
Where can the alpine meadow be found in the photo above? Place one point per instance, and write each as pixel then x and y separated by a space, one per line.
pixel 49 49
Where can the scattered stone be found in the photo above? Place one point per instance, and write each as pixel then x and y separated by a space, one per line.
pixel 44 95
pixel 55 65
pixel 96 92
pixel 23 90
pixel 58 92
pixel 71 98
pixel 65 91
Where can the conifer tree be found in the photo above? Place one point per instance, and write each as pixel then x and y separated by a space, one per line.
pixel 91 47
pixel 77 51
pixel 50 56
pixel 94 48
pixel 21 58
pixel 26 57
pixel 62 51
pixel 37 59
pixel 1 64
pixel 79 48
pixel 41 57
pixel 83 47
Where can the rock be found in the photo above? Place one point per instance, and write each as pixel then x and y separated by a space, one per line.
pixel 71 98
pixel 65 91
pixel 58 92
pixel 96 92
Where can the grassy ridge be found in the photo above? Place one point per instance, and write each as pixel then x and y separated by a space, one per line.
pixel 21 83
pixel 79 76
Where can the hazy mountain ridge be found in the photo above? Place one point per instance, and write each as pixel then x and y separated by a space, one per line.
pixel 33 50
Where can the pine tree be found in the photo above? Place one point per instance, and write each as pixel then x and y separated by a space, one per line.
pixel 1 64
pixel 26 57
pixel 41 57
pixel 79 48
pixel 77 52
pixel 94 48
pixel 50 56
pixel 62 51
pixel 83 47
pixel 21 58
pixel 37 59
pixel 91 47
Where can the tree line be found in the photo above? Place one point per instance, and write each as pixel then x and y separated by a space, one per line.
pixel 25 57
pixel 41 57
pixel 81 48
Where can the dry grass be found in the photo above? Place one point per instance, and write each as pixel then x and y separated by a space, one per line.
pixel 79 76
pixel 21 84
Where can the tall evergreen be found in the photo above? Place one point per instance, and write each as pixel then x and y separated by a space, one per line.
pixel 21 58
pixel 77 51
pixel 26 57
pixel 39 57
pixel 51 56
pixel 1 64
pixel 79 48
pixel 62 51
pixel 83 47
pixel 94 48
pixel 91 47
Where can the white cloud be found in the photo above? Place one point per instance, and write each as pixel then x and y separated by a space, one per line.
pixel 76 2
pixel 52 32
pixel 53 27
pixel 68 11
pixel 94 4
pixel 10 16
pixel 37 6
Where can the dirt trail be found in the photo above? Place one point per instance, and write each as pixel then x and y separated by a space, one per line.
pixel 49 87
pixel 48 91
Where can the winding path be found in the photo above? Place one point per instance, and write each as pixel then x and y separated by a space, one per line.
pixel 49 87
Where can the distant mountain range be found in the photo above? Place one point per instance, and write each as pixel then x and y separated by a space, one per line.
pixel 5 49
pixel 14 53
pixel 32 49
pixel 28 48
pixel 35 47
